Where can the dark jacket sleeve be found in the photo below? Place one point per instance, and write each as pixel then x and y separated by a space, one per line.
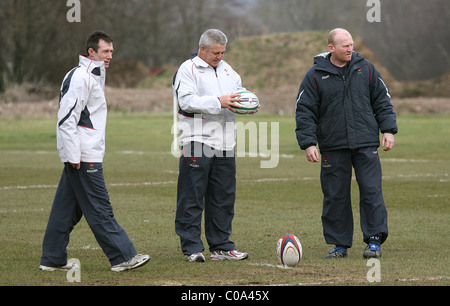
pixel 307 112
pixel 381 103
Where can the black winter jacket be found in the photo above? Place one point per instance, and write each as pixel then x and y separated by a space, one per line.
pixel 343 112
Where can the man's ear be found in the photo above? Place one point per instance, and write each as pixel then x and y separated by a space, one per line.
pixel 331 48
pixel 91 51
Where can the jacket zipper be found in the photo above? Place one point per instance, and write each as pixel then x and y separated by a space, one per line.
pixel 217 78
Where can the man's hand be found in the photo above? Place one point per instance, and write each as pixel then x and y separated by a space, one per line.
pixel 226 101
pixel 387 142
pixel 312 154
pixel 76 166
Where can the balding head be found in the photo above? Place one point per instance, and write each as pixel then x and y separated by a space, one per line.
pixel 337 34
pixel 340 44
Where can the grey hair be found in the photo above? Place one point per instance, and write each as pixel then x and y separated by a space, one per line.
pixel 211 37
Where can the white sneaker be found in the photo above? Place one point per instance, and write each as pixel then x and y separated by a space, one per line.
pixel 228 255
pixel 66 267
pixel 135 262
pixel 196 257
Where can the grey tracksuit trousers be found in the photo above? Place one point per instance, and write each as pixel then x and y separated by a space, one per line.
pixel 83 192
pixel 336 175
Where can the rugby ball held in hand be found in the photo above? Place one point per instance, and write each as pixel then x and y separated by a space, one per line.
pixel 249 103
pixel 289 250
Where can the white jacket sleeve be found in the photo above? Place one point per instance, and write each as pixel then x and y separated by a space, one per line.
pixel 189 98
pixel 71 105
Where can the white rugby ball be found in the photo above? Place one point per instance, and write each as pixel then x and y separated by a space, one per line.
pixel 249 103
pixel 289 250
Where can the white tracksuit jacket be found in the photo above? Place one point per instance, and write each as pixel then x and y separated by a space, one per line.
pixel 198 86
pixel 80 130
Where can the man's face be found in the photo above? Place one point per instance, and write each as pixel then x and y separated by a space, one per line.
pixel 214 55
pixel 342 49
pixel 103 54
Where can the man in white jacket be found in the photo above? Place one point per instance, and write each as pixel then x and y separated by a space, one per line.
pixel 204 87
pixel 81 147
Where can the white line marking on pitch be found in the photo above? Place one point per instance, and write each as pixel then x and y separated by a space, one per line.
pixel 112 185
pixel 442 178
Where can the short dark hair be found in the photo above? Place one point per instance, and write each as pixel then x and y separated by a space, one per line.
pixel 94 38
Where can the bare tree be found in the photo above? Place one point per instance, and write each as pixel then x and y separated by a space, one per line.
pixel 39 44
pixel 412 40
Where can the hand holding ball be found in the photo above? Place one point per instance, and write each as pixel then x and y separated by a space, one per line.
pixel 249 103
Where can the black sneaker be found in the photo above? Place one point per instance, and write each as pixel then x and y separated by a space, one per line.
pixel 372 251
pixel 337 252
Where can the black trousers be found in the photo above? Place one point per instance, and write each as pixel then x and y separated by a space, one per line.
pixel 335 177
pixel 206 183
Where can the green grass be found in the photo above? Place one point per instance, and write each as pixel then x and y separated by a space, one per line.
pixel 141 177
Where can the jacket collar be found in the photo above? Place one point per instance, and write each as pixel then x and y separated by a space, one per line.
pixel 201 63
pixel 323 60
pixel 96 68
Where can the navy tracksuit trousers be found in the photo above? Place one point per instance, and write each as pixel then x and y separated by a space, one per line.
pixel 83 192
pixel 336 175
pixel 206 182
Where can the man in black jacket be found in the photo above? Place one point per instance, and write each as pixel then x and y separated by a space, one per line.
pixel 342 105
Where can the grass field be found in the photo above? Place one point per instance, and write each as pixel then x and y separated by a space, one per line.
pixel 141 177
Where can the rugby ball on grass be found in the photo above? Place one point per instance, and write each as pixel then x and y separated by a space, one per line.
pixel 249 103
pixel 289 250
